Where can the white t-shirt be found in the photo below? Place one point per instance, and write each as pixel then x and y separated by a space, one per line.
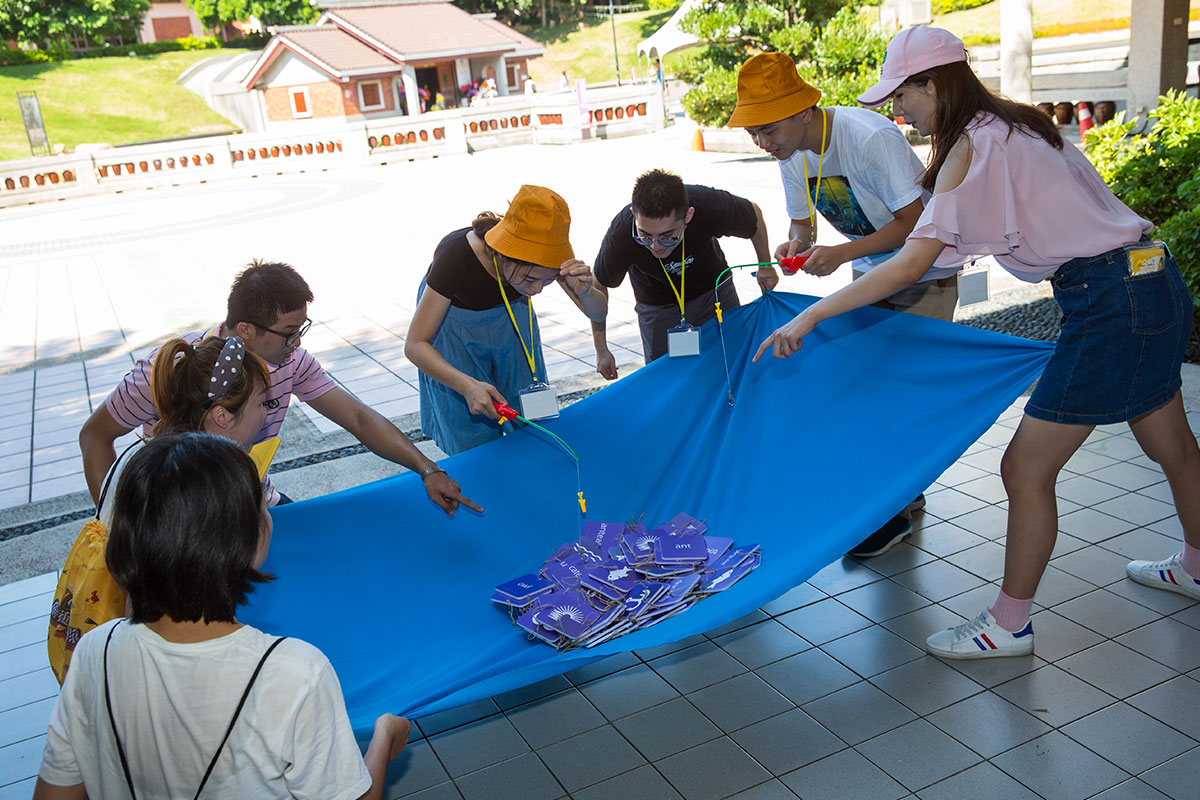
pixel 172 703
pixel 869 171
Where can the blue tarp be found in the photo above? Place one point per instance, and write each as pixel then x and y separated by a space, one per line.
pixel 818 450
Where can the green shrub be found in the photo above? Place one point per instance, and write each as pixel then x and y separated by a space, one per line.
pixel 9 58
pixel 946 6
pixel 1157 174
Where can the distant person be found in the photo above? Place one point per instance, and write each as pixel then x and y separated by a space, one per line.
pixel 857 170
pixel 564 82
pixel 665 240
pixel 474 335
pixel 658 72
pixel 1004 183
pixel 268 310
pixel 180 687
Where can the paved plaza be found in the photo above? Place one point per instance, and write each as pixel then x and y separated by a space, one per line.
pixel 824 693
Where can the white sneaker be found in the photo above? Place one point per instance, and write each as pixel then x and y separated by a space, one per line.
pixel 980 638
pixel 1167 574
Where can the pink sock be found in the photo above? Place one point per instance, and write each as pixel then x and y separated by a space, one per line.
pixel 1010 613
pixel 1191 560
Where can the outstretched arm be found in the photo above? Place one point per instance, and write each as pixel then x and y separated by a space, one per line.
pixel 387 441
pixel 96 439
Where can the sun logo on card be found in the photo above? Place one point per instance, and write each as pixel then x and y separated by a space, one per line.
pixel 573 612
pixel 646 542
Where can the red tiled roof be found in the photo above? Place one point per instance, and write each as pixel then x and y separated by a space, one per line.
pixel 428 29
pixel 335 48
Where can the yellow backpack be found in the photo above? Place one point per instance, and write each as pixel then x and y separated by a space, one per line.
pixel 86 595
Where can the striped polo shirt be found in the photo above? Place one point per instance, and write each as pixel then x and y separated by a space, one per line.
pixel 301 375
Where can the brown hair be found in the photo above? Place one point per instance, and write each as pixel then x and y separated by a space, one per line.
pixel 960 97
pixel 180 381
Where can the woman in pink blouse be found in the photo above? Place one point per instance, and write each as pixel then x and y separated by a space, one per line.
pixel 1004 184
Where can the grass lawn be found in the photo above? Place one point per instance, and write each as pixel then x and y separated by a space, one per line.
pixel 985 20
pixel 114 100
pixel 585 48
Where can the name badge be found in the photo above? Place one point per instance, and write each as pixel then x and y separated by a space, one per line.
pixel 973 286
pixel 1145 259
pixel 683 341
pixel 538 401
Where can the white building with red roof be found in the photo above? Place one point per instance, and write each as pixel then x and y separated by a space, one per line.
pixel 375 58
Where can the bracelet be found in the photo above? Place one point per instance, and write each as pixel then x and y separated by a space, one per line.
pixel 432 471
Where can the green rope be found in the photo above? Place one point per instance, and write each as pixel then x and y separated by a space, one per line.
pixel 551 434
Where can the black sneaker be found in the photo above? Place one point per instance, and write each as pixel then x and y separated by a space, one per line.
pixel 915 505
pixel 884 539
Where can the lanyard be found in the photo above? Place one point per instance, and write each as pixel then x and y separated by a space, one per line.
pixel 682 277
pixel 529 300
pixel 812 216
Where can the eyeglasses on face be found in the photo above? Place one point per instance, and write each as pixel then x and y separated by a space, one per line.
pixel 663 241
pixel 288 338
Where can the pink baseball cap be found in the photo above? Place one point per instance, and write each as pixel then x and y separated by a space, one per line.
pixel 910 51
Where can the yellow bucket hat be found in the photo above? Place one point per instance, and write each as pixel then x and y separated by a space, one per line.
pixel 770 89
pixel 536 229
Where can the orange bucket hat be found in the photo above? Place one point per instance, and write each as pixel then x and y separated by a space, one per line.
pixel 536 229
pixel 770 89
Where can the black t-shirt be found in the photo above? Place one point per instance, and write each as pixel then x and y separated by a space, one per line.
pixel 718 213
pixel 456 273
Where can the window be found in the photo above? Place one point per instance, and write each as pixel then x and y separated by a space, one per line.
pixel 300 107
pixel 370 95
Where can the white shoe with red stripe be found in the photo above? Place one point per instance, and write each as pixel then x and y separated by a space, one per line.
pixel 1167 574
pixel 980 638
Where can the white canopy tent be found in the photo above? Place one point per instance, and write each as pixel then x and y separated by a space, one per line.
pixel 668 38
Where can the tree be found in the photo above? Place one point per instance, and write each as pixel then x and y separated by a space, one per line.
pixel 57 21
pixel 215 13
pixel 837 50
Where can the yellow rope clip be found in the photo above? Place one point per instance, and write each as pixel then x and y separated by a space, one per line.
pixel 719 318
pixel 582 503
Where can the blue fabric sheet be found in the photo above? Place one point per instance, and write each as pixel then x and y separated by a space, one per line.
pixel 819 450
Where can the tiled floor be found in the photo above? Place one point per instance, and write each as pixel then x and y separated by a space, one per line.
pixel 826 692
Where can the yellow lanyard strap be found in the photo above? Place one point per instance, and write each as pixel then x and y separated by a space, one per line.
pixel 529 300
pixel 812 215
pixel 679 295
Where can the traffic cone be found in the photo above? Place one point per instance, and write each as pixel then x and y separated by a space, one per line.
pixel 698 140
pixel 1084 115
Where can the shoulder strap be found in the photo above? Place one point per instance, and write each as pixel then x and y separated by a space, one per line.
pixel 108 478
pixel 236 713
pixel 112 720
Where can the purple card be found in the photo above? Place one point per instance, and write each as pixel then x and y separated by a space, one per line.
pixel 688 524
pixel 525 588
pixel 722 579
pixel 643 543
pixel 727 561
pixel 601 588
pixel 717 546
pixel 642 596
pixel 664 570
pixel 680 549
pixel 599 536
pixel 547 635
pixel 680 588
pixel 566 571
pixel 569 613
pixel 617 575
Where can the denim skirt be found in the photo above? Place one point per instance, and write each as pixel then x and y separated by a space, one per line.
pixel 1122 341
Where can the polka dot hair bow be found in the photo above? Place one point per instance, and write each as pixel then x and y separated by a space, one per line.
pixel 225 371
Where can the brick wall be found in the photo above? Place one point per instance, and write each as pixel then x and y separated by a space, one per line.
pixel 167 28
pixel 324 100
pixel 350 103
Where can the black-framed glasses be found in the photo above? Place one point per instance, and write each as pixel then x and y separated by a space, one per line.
pixel 663 241
pixel 288 338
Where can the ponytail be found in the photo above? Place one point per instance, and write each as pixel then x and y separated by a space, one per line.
pixel 181 379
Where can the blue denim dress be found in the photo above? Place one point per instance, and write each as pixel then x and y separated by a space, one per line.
pixel 1123 339
pixel 484 345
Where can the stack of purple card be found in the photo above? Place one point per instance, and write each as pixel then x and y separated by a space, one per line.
pixel 617 578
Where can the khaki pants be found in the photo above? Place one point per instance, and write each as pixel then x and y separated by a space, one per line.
pixel 935 299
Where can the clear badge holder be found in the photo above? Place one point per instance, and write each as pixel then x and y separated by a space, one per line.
pixel 538 401
pixel 973 286
pixel 683 341
pixel 1146 257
